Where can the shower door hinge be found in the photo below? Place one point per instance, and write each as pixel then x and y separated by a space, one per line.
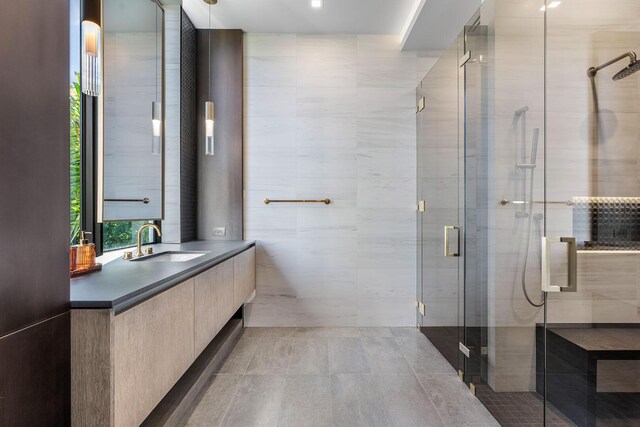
pixel 421 104
pixel 464 349
pixel 420 306
pixel 422 205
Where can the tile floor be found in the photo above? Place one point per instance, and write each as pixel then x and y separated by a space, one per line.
pixel 336 377
pixel 520 409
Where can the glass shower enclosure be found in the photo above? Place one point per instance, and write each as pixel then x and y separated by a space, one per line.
pixel 529 212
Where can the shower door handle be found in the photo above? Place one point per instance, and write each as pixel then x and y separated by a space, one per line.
pixel 572 264
pixel 447 229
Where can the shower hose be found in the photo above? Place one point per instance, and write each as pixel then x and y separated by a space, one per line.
pixel 526 250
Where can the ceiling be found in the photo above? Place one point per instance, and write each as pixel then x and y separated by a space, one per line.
pixel 420 24
pixel 297 16
pixel 436 23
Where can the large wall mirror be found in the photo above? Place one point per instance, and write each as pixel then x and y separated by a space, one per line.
pixel 132 155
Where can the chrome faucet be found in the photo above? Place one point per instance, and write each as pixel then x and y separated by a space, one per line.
pixel 140 230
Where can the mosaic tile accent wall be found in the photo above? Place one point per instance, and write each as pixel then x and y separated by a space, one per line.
pixel 607 223
pixel 188 128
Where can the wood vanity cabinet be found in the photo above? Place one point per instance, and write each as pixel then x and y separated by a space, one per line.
pixel 124 364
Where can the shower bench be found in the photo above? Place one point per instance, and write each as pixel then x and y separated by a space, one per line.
pixel 593 371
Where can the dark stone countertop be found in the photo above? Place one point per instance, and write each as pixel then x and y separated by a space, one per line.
pixel 122 284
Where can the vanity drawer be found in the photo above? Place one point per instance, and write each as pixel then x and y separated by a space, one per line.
pixel 213 302
pixel 244 266
pixel 153 347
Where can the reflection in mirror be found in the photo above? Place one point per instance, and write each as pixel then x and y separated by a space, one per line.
pixel 133 114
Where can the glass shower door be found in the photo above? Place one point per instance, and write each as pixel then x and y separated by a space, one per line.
pixel 502 123
pixel 592 213
pixel 438 186
pixel 474 78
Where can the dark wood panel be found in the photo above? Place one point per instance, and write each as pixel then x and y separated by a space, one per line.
pixel 220 177
pixel 34 375
pixel 34 161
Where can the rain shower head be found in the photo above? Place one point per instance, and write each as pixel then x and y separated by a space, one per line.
pixel 634 65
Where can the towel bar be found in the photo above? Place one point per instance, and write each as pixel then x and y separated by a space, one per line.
pixel 325 201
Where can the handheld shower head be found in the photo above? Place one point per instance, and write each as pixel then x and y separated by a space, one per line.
pixel 634 66
pixel 534 145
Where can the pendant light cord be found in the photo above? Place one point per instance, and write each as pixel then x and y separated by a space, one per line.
pixel 156 53
pixel 209 56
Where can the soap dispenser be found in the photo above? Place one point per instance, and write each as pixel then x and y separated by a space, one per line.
pixel 82 257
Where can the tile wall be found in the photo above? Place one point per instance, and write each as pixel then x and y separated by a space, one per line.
pixel 331 116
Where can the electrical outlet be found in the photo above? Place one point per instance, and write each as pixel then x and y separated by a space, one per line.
pixel 220 231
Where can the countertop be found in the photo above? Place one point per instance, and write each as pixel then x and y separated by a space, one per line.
pixel 122 284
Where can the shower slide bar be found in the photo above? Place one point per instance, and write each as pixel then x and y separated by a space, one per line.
pixel 505 202
pixel 325 201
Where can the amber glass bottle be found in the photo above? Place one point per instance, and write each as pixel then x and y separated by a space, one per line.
pixel 82 256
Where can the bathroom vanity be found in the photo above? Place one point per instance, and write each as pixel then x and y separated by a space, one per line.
pixel 138 326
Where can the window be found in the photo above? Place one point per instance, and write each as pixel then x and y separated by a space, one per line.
pixel 75 130
pixel 107 236
pixel 118 235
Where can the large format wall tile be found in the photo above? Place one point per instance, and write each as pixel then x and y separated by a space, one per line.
pixel 327 102
pixel 331 116
pixel 270 101
pixel 269 71
pixel 269 45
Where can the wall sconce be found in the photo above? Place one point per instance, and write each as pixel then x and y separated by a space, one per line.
pixel 91 59
pixel 210 119
pixel 156 124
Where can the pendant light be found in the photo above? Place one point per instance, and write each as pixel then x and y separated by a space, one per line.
pixel 156 108
pixel 209 108
pixel 91 58
pixel 210 119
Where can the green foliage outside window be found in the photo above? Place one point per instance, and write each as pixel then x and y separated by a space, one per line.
pixel 115 235
pixel 75 158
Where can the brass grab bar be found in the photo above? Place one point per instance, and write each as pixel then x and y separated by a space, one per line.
pixel 145 200
pixel 325 201
pixel 505 202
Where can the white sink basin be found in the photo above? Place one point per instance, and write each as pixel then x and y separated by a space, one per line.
pixel 171 257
